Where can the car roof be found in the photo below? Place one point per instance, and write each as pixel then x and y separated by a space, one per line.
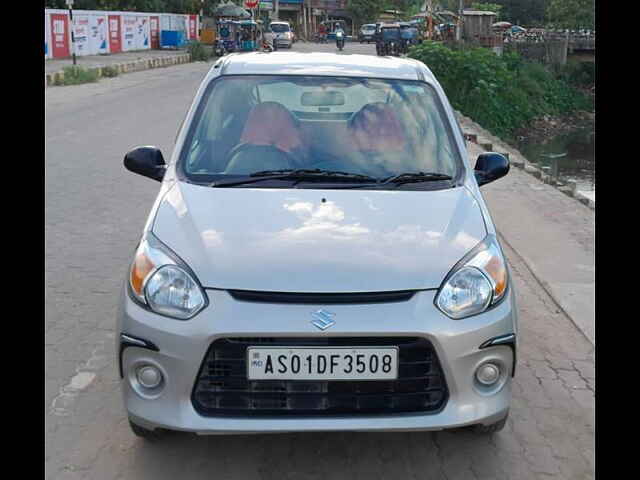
pixel 320 63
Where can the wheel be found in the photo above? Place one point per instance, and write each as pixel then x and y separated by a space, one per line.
pixel 489 429
pixel 150 435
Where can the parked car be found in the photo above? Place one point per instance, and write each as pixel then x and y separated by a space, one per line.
pixel 366 33
pixel 281 33
pixel 319 258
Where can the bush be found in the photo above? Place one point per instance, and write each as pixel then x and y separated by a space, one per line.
pixel 501 93
pixel 75 75
pixel 198 51
pixel 109 71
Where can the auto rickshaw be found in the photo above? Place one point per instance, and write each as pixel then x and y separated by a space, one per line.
pixel 228 37
pixel 388 42
pixel 248 36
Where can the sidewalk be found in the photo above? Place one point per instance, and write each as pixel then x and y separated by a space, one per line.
pixel 553 233
pixel 124 61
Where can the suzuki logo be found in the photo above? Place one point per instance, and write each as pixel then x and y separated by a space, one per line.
pixel 323 319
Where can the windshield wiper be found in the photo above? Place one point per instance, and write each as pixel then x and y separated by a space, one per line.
pixel 295 174
pixel 416 177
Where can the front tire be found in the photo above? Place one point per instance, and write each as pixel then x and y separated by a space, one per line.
pixel 145 433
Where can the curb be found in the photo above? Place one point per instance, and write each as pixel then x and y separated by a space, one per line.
pixel 126 67
pixel 519 161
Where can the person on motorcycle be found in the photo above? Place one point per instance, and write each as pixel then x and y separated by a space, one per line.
pixel 340 37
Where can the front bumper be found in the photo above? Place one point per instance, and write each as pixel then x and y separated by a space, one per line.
pixel 182 345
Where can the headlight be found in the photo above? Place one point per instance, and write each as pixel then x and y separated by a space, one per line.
pixel 163 282
pixel 478 281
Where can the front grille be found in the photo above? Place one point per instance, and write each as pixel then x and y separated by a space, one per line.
pixel 322 298
pixel 222 387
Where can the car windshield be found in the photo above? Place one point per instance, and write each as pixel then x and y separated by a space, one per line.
pixel 368 28
pixel 375 128
pixel 279 28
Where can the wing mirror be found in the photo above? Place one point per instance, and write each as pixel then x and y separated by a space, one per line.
pixel 147 161
pixel 490 166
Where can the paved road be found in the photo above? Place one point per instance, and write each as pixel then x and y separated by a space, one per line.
pixel 94 214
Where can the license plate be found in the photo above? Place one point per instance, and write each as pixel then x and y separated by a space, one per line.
pixel 322 363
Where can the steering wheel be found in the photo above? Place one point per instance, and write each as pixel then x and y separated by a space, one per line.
pixel 247 158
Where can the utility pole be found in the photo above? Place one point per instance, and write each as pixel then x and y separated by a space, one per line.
pixel 73 40
pixel 459 29
pixel 276 7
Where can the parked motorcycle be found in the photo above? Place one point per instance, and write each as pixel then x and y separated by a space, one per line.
pixel 340 40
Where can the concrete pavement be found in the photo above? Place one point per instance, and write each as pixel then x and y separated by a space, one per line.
pixel 94 214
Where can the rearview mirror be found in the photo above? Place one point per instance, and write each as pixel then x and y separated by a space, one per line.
pixel 322 99
pixel 146 161
pixel 490 166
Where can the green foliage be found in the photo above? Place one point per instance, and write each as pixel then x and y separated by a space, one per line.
pixel 365 11
pixel 488 7
pixel 501 93
pixel 160 6
pixel 75 75
pixel 198 51
pixel 571 14
pixel 579 74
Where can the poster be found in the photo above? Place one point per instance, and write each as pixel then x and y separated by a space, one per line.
pixel 192 27
pixel 141 33
pixel 154 28
pixel 60 37
pixel 128 30
pixel 98 34
pixel 47 36
pixel 81 34
pixel 115 35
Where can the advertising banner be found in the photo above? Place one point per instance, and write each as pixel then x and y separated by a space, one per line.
pixel 141 33
pixel 47 36
pixel 115 35
pixel 81 34
pixel 154 28
pixel 193 34
pixel 98 34
pixel 60 36
pixel 129 23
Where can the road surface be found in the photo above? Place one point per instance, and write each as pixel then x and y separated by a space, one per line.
pixel 94 215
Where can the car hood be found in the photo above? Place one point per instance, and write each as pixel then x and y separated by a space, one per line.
pixel 319 241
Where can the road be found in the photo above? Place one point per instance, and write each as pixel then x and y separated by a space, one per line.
pixel 94 215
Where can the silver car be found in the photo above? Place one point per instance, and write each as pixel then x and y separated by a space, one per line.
pixel 319 258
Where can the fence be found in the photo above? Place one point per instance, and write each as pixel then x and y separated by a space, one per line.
pixel 103 32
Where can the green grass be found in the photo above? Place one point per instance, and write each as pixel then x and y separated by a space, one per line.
pixel 109 71
pixel 198 51
pixel 76 75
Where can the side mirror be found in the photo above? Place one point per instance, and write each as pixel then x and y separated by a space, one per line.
pixel 490 166
pixel 147 161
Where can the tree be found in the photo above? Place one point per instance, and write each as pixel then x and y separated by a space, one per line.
pixel 488 7
pixel 571 14
pixel 364 11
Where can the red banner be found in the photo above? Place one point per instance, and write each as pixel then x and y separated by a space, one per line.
pixel 192 27
pixel 115 37
pixel 60 35
pixel 251 3
pixel 154 23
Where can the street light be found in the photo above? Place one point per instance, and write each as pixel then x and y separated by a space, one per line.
pixel 73 40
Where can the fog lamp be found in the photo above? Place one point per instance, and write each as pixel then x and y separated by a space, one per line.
pixel 149 376
pixel 488 374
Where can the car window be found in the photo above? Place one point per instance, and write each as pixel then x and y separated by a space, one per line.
pixel 372 127
pixel 279 28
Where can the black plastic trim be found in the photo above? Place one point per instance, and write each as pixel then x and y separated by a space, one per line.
pixel 127 340
pixel 508 340
pixel 322 298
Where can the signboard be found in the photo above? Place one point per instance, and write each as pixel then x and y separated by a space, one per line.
pixel 266 5
pixel 250 3
pixel 192 27
pixel 98 34
pixel 115 35
pixel 81 34
pixel 154 28
pixel 60 35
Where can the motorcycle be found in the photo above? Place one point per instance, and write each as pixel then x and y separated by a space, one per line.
pixel 266 47
pixel 340 40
